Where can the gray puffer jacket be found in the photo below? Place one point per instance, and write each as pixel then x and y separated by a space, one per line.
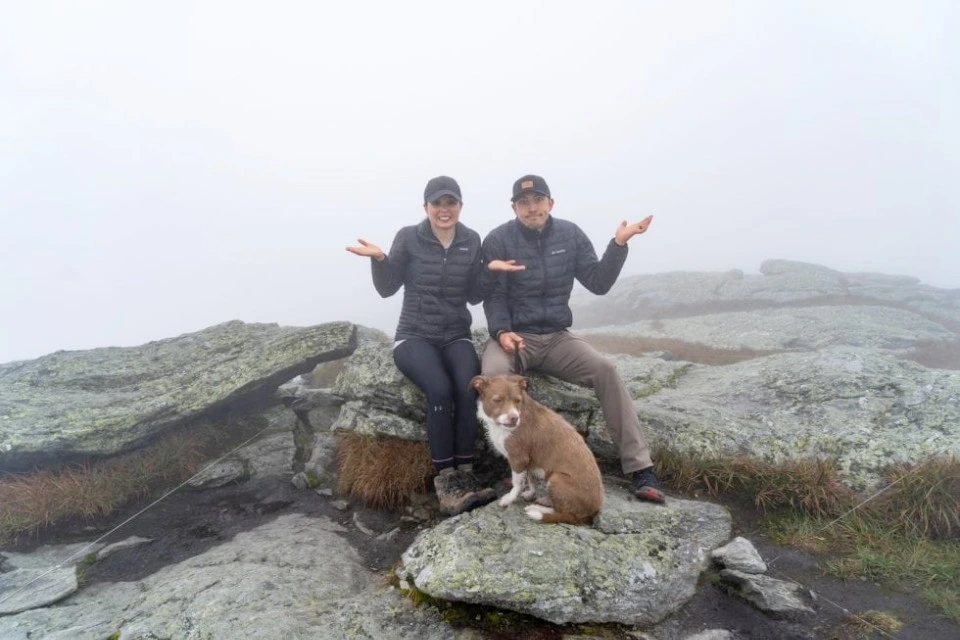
pixel 437 283
pixel 536 300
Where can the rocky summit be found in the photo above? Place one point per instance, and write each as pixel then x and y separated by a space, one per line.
pixel 799 361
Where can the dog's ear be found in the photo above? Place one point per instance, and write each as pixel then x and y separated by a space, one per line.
pixel 479 383
pixel 521 381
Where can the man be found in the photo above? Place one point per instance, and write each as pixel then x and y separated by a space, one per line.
pixel 528 313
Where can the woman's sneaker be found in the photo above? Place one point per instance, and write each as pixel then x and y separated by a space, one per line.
pixel 647 487
pixel 458 492
pixel 485 494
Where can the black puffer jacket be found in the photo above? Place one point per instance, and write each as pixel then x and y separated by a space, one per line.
pixel 437 283
pixel 536 300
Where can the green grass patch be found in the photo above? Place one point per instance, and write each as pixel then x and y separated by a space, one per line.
pixel 790 528
pixel 896 560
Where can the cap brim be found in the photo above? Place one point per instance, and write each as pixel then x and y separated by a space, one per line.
pixel 436 195
pixel 526 191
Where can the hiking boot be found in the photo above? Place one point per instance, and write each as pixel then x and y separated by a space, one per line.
pixel 458 492
pixel 647 487
pixel 486 494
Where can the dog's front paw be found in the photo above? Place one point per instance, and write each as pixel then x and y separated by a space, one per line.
pixel 507 500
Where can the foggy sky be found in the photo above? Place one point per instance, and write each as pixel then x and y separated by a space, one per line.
pixel 166 167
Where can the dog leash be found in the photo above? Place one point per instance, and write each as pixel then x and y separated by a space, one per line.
pixel 517 363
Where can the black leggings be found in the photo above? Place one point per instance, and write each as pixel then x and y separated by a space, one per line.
pixel 443 373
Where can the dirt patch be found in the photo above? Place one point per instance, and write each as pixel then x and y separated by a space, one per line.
pixel 188 523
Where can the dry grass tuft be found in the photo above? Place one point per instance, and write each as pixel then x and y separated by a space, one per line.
pixel 925 500
pixel 864 625
pixel 678 349
pixel 811 487
pixel 692 474
pixel 382 473
pixel 30 502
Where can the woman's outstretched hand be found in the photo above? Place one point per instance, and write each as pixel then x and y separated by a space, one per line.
pixel 368 250
pixel 505 266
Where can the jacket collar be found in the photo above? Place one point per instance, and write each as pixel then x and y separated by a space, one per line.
pixel 533 234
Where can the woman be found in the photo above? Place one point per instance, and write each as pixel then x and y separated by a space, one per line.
pixel 438 264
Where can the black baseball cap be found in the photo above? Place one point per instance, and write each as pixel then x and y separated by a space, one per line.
pixel 441 186
pixel 530 183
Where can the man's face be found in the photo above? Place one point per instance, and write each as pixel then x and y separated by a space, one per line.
pixel 533 209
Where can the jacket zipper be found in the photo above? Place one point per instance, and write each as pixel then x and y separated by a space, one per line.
pixel 543 270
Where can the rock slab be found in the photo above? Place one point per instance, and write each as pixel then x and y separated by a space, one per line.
pixel 106 401
pixel 638 563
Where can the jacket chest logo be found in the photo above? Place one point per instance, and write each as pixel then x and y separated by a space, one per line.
pixel 557 252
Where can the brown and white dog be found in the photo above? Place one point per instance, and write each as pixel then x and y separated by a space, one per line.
pixel 537 441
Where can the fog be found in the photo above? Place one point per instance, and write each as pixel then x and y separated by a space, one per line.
pixel 169 166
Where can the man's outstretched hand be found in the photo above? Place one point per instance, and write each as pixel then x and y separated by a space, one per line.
pixel 510 342
pixel 626 231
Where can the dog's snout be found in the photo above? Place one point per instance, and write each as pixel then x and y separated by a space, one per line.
pixel 512 418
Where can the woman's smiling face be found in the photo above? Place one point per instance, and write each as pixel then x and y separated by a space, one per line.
pixel 444 212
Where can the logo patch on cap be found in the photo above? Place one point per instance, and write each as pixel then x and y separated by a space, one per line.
pixel 526 184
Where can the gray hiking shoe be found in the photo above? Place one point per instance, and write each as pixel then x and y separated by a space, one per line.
pixel 486 494
pixel 459 492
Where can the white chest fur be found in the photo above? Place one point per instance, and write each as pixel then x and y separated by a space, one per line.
pixel 496 433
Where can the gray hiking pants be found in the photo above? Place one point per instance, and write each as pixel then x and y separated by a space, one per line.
pixel 565 356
